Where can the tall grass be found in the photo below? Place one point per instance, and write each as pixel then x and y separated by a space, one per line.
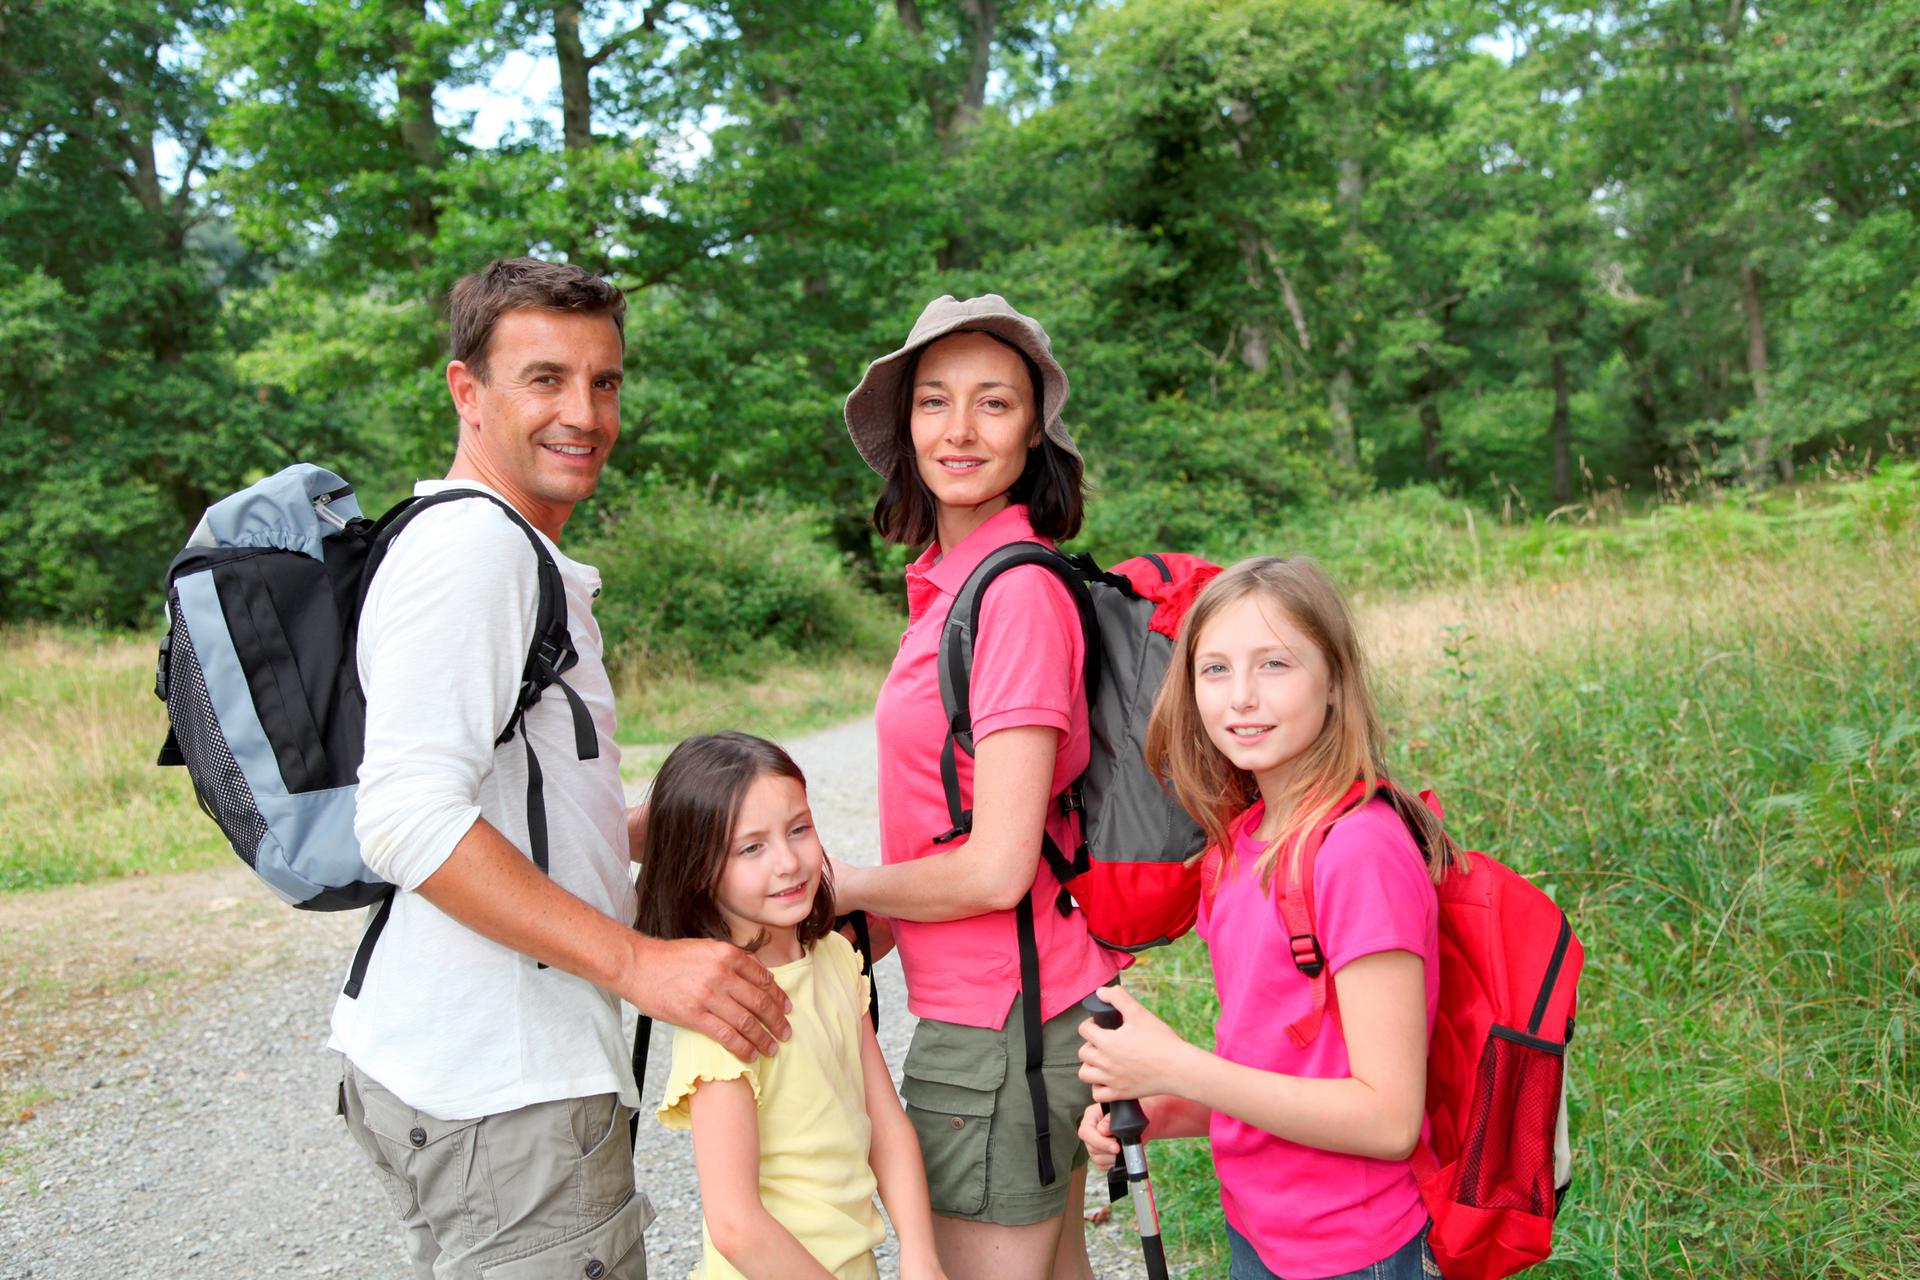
pixel 1711 758
pixel 81 798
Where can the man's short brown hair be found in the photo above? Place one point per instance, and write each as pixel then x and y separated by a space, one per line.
pixel 525 284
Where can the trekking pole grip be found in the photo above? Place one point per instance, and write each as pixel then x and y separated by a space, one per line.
pixel 1124 1115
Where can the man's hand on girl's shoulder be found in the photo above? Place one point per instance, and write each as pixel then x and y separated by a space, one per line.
pixel 712 987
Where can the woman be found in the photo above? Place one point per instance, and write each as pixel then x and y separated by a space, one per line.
pixel 963 424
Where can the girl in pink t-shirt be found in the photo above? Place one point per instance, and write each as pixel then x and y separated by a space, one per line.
pixel 1266 702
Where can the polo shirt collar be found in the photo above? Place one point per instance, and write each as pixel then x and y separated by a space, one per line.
pixel 949 573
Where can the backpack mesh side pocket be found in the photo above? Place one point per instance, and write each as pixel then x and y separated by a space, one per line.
pixel 217 781
pixel 1506 1160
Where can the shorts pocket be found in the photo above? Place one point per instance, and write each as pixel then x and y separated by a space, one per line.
pixel 950 1084
pixel 611 1249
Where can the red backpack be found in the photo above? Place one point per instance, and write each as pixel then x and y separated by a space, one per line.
pixel 1490 1174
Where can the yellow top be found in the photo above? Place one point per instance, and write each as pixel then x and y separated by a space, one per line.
pixel 815 1178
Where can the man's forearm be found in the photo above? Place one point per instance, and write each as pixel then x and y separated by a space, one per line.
pixel 711 986
pixel 494 889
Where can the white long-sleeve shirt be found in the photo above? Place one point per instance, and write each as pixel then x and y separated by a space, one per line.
pixel 454 1024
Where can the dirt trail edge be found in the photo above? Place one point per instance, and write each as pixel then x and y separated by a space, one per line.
pixel 169 1100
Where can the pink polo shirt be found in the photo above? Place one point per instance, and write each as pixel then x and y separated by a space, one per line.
pixel 1309 1212
pixel 1028 669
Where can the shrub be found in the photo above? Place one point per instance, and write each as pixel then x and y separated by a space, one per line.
pixel 688 581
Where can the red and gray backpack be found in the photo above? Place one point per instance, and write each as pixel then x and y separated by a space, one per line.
pixel 1496 1166
pixel 1135 874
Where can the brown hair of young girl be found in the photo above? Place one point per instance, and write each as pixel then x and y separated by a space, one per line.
pixel 1212 789
pixel 690 815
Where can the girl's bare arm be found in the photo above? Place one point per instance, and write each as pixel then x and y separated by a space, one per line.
pixel 726 1155
pixel 895 1157
pixel 1374 1111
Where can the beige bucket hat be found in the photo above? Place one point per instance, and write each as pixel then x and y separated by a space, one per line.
pixel 871 407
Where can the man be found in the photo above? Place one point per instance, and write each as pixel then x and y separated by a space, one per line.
pixel 485 1073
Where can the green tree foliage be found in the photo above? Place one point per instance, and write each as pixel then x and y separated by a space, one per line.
pixel 1290 250
pixel 121 409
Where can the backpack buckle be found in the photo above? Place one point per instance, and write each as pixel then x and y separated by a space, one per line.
pixel 160 667
pixel 1072 802
pixel 1307 956
pixel 553 656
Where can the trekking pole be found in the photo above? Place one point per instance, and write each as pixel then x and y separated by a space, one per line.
pixel 1129 1124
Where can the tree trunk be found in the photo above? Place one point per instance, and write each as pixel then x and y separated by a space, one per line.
pixel 1759 368
pixel 419 131
pixel 1437 464
pixel 977 19
pixel 1350 188
pixel 1346 441
pixel 576 91
pixel 1256 333
pixel 1560 429
pixel 1645 398
pixel 953 116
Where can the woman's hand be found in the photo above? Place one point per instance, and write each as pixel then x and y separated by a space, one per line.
pixel 1141 1057
pixel 1102 1147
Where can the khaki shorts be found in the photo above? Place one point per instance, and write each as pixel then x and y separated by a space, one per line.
pixel 965 1090
pixel 531 1194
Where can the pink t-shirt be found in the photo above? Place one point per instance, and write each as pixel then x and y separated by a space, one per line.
pixel 1309 1212
pixel 1028 669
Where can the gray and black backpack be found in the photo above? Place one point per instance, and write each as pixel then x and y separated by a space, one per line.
pixel 263 695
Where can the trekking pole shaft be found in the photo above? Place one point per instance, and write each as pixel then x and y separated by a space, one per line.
pixel 1146 1213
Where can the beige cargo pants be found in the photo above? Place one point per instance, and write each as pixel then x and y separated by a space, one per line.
pixel 542 1193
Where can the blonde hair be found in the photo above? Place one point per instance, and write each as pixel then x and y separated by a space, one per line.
pixel 1349 745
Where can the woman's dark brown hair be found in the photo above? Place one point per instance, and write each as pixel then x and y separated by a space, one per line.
pixel 1052 485
pixel 690 815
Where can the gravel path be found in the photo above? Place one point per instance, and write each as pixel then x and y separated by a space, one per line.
pixel 199 1141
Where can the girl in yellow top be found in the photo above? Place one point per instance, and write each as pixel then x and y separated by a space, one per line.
pixel 789 1148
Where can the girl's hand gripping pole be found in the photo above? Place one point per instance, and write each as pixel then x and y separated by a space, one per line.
pixel 1129 1125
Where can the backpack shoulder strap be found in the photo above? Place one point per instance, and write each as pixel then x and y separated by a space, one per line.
pixel 1297 913
pixel 955 661
pixel 551 652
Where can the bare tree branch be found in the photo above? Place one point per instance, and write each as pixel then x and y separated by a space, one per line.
pixel 649 21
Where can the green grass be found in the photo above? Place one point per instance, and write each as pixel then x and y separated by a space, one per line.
pixel 82 799
pixel 1416 539
pixel 1710 755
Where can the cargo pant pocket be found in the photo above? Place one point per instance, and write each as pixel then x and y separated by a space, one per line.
pixel 427 1164
pixel 601 1132
pixel 611 1249
pixel 950 1087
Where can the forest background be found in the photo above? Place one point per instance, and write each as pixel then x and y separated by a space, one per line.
pixel 1292 252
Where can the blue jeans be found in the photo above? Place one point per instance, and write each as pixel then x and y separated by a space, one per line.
pixel 1411 1261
